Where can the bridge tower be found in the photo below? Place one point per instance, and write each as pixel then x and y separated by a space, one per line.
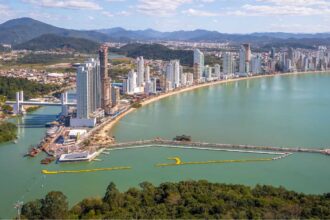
pixel 64 102
pixel 18 108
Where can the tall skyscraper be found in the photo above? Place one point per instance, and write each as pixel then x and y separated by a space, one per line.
pixel 244 59
pixel 173 73
pixel 88 93
pixel 247 48
pixel 147 74
pixel 217 71
pixel 256 64
pixel 228 63
pixel 198 64
pixel 140 71
pixel 105 80
pixel 273 53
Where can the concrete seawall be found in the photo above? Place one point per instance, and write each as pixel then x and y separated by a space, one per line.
pixel 204 145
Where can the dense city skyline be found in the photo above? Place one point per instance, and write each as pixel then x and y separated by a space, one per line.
pixel 237 16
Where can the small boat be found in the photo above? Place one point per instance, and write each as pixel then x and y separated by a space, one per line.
pixel 47 160
pixel 52 131
pixel 33 152
pixel 15 141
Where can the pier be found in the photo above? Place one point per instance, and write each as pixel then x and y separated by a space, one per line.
pixel 216 146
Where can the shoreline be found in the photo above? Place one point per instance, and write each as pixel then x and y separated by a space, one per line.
pixel 106 130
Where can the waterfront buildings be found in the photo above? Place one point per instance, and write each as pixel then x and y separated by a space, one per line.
pixel 130 84
pixel 198 65
pixel 217 71
pixel 88 94
pixel 105 80
pixel 115 96
pixel 140 71
pixel 173 73
pixel 228 63
pixel 256 64
pixel 244 59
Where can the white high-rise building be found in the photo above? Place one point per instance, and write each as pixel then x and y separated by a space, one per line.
pixel 88 94
pixel 83 92
pixel 256 64
pixel 130 85
pixel 169 72
pixel 190 79
pixel 88 88
pixel 147 74
pixel 140 71
pixel 173 73
pixel 217 71
pixel 183 79
pixel 198 64
pixel 228 63
pixel 176 83
pixel 208 73
pixel 242 62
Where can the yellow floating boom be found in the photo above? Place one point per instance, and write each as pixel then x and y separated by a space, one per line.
pixel 178 161
pixel 84 171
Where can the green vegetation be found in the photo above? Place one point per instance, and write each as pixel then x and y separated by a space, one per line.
pixel 32 109
pixel 8 131
pixel 52 42
pixel 116 73
pixel 43 58
pixel 136 105
pixel 9 86
pixel 156 51
pixel 211 60
pixel 186 200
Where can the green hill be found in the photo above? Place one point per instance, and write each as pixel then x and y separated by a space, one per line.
pixel 20 30
pixel 51 41
pixel 156 51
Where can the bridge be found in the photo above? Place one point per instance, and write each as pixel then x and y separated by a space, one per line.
pixel 19 103
pixel 214 146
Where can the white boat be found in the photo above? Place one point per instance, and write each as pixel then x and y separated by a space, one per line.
pixel 52 131
pixel 76 157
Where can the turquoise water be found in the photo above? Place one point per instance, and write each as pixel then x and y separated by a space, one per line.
pixel 279 111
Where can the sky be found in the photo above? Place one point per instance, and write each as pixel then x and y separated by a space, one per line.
pixel 227 16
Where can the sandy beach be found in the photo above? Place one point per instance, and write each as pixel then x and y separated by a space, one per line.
pixel 105 130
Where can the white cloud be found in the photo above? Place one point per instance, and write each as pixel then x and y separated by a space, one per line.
pixel 160 7
pixel 106 13
pixel 284 8
pixel 5 11
pixel 194 12
pixel 123 13
pixel 70 4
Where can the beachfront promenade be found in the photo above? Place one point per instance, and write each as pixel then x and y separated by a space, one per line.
pixel 213 146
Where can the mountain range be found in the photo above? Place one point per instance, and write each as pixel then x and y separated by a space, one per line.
pixel 21 30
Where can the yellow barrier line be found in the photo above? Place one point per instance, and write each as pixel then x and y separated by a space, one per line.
pixel 211 161
pixel 84 171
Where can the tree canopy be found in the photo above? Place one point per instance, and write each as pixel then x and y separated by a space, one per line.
pixel 9 86
pixel 187 200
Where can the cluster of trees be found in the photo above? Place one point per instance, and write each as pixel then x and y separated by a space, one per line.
pixel 8 131
pixel 9 86
pixel 185 200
